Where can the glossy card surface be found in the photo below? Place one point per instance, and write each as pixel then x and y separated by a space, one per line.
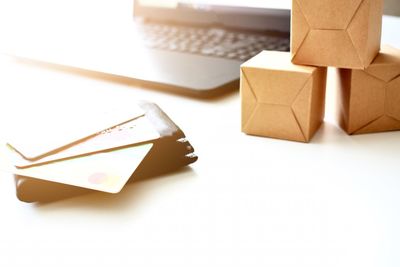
pixel 107 171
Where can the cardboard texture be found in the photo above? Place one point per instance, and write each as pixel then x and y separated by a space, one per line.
pixel 369 100
pixel 340 33
pixel 280 99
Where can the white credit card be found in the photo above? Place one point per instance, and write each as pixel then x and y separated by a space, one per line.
pixel 39 132
pixel 133 132
pixel 106 171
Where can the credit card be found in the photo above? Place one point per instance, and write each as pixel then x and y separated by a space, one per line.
pixel 133 132
pixel 38 133
pixel 106 171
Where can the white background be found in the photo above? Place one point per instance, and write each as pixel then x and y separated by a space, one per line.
pixel 248 201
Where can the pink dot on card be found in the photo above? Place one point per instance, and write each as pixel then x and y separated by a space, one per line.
pixel 98 178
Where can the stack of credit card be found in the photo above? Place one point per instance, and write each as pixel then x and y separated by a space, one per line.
pixel 102 155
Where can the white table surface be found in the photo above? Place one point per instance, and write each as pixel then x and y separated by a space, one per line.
pixel 248 201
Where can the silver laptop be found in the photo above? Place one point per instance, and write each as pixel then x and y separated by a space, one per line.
pixel 189 46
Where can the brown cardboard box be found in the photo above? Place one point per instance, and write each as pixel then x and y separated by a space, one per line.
pixel 338 33
pixel 370 99
pixel 280 99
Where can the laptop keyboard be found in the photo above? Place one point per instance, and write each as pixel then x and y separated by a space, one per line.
pixel 214 42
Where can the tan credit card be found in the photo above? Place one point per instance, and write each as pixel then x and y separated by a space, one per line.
pixel 40 132
pixel 107 171
pixel 133 132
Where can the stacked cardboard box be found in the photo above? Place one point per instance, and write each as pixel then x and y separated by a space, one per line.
pixel 280 99
pixel 370 98
pixel 283 94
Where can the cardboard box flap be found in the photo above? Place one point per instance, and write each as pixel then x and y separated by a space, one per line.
pixel 386 66
pixel 370 101
pixel 317 97
pixel 275 121
pixel 393 99
pixel 248 94
pixel 301 114
pixel 375 29
pixel 355 30
pixel 340 52
pixel 263 85
pixel 384 72
pixel 336 14
pixel 383 123
pixel 299 28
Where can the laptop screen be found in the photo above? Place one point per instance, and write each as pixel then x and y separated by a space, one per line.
pixel 250 14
